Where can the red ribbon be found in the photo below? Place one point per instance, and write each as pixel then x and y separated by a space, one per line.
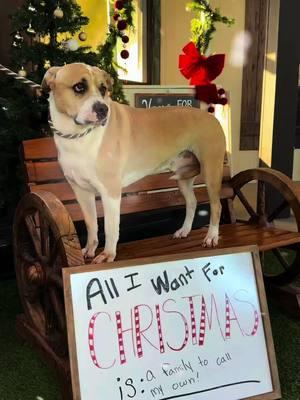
pixel 201 71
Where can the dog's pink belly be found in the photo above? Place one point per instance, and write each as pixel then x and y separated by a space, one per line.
pixel 185 165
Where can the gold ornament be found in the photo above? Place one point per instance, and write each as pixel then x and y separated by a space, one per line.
pixel 47 64
pixel 58 12
pixel 22 72
pixel 82 36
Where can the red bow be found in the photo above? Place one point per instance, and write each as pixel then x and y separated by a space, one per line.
pixel 200 69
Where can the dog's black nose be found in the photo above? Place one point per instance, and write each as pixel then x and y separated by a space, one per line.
pixel 100 109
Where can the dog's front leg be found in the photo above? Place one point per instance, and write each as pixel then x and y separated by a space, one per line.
pixel 111 206
pixel 87 204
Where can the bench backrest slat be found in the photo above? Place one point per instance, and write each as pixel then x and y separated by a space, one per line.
pixel 153 192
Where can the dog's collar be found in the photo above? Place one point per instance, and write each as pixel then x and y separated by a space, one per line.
pixel 71 135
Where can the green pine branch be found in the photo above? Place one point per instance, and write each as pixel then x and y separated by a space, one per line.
pixel 203 25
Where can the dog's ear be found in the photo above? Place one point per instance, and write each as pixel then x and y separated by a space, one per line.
pixel 106 78
pixel 48 81
pixel 109 82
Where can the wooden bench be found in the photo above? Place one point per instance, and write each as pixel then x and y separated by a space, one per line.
pixel 46 239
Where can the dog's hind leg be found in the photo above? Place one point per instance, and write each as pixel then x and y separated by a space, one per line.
pixel 186 188
pixel 213 177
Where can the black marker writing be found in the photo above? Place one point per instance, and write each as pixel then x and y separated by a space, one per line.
pixel 96 285
pixel 133 285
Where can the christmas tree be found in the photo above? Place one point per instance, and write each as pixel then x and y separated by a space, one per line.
pixel 44 36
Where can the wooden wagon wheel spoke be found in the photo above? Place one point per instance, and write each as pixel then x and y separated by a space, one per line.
pixel 31 295
pixel 49 314
pixel 55 280
pixel 245 203
pixel 58 307
pixel 44 236
pixel 261 198
pixel 35 238
pixel 280 258
pixel 275 213
pixel 54 257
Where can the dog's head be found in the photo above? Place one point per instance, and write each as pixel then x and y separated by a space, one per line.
pixel 80 91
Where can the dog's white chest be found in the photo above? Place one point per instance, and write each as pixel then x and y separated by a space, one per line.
pixel 78 160
pixel 80 172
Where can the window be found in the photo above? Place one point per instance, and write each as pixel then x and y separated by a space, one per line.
pixel 135 67
pixel 97 12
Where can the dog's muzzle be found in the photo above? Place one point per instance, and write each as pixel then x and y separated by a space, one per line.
pixel 101 111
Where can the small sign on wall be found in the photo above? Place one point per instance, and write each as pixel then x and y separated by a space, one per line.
pixel 191 326
pixel 149 100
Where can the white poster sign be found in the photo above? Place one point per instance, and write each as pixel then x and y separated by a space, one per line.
pixel 170 328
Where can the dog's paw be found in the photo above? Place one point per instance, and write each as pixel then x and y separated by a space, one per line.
pixel 212 237
pixel 181 233
pixel 210 241
pixel 88 251
pixel 104 256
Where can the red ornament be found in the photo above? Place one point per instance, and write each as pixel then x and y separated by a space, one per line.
pixel 124 54
pixel 221 91
pixel 207 93
pixel 125 39
pixel 122 25
pixel 119 5
pixel 223 101
pixel 116 17
pixel 211 109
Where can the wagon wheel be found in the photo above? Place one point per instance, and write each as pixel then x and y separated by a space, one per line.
pixel 280 265
pixel 45 241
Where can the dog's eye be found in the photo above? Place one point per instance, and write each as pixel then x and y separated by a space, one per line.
pixel 80 88
pixel 102 89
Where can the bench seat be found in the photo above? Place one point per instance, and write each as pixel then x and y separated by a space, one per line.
pixel 239 234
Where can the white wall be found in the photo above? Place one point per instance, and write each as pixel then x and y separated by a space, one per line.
pixel 231 78
pixel 176 33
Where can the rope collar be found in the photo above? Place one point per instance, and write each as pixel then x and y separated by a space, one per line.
pixel 71 135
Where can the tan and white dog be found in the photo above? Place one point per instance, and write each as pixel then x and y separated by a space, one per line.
pixel 104 146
